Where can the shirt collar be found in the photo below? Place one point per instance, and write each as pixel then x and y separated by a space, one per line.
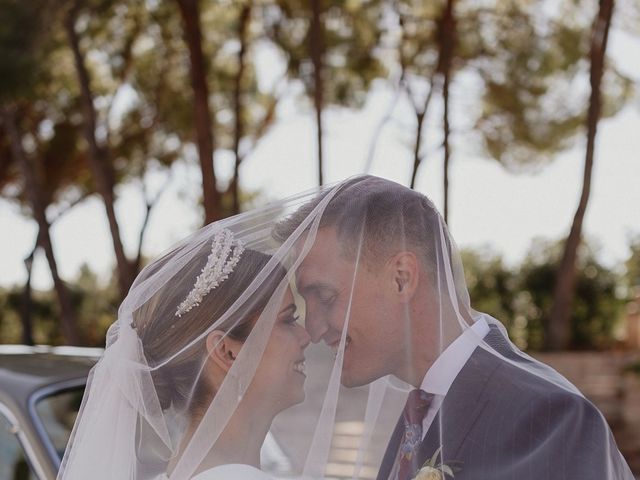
pixel 445 369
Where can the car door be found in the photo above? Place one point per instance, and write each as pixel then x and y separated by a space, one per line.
pixel 17 461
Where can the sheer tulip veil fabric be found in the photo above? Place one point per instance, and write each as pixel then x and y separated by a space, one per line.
pixel 231 471
pixel 307 322
pixel 226 472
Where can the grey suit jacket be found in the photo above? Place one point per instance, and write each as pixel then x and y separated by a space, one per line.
pixel 500 422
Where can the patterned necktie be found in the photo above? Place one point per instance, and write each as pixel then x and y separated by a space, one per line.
pixel 413 414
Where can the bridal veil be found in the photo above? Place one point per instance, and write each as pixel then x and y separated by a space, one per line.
pixel 301 327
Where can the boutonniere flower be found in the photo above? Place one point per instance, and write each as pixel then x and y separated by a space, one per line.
pixel 434 470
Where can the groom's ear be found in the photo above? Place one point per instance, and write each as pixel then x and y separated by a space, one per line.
pixel 222 349
pixel 405 271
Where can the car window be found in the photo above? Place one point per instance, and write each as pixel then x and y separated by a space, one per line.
pixel 13 461
pixel 58 412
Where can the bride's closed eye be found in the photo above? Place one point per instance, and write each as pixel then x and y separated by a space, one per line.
pixel 292 319
pixel 289 315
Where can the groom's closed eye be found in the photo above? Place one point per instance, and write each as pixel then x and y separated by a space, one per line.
pixel 327 297
pixel 324 294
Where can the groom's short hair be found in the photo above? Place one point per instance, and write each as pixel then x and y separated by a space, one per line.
pixel 386 216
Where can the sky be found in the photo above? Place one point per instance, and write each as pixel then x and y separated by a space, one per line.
pixel 490 207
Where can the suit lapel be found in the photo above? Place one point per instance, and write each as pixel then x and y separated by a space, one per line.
pixel 392 450
pixel 461 407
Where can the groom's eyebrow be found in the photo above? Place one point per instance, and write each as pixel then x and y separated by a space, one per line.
pixel 316 286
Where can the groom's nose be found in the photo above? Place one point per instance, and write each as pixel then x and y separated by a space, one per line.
pixel 316 328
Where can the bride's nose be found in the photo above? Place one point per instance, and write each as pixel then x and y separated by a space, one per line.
pixel 305 338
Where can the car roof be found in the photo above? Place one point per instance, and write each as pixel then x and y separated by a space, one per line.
pixel 25 369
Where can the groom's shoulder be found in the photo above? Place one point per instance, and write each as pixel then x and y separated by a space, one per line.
pixel 530 385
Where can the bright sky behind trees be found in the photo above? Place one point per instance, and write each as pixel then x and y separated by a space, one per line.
pixel 489 206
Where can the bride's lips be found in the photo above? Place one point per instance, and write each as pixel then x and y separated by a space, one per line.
pixel 300 367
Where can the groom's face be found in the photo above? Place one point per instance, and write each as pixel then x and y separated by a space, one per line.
pixel 340 294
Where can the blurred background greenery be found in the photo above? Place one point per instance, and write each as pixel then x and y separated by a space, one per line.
pixel 96 94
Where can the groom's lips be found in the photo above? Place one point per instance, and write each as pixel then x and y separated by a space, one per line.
pixel 335 345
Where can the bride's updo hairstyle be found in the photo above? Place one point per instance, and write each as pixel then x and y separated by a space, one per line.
pixel 163 333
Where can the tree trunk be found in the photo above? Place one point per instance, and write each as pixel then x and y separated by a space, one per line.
pixel 99 162
pixel 316 49
pixel 149 205
pixel 190 12
pixel 67 314
pixel 421 115
pixel 243 29
pixel 559 327
pixel 27 302
pixel 447 41
pixel 447 146
pixel 417 157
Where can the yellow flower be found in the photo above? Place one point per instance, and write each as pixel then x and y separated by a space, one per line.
pixel 428 473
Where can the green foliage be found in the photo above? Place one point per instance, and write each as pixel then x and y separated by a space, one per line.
pixel 22 28
pixel 221 28
pixel 351 34
pixel 96 306
pixel 528 74
pixel 417 45
pixel 492 286
pixel 139 92
pixel 521 297
pixel 633 368
pixel 533 62
pixel 44 316
pixel 596 309
pixel 40 89
pixel 632 265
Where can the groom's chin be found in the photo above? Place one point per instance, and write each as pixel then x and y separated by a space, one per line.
pixel 352 381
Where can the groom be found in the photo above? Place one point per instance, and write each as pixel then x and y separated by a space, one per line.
pixel 383 259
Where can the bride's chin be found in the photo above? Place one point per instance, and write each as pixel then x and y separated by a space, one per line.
pixel 298 397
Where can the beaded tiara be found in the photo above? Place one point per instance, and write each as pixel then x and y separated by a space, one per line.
pixel 224 256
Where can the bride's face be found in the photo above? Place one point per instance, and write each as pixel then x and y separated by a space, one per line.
pixel 280 375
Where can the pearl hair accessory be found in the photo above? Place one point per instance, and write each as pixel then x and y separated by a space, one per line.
pixel 222 260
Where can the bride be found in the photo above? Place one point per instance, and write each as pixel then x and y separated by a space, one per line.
pixel 182 357
pixel 279 378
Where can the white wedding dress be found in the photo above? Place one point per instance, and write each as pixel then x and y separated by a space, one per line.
pixel 233 471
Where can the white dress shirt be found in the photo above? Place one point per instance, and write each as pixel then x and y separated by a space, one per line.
pixel 447 366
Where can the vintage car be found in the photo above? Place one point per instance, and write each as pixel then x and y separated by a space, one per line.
pixel 41 391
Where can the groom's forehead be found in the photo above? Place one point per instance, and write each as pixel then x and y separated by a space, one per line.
pixel 321 245
pixel 322 262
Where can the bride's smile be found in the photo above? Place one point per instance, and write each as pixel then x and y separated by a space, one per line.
pixel 281 373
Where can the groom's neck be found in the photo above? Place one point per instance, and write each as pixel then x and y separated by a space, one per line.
pixel 425 346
